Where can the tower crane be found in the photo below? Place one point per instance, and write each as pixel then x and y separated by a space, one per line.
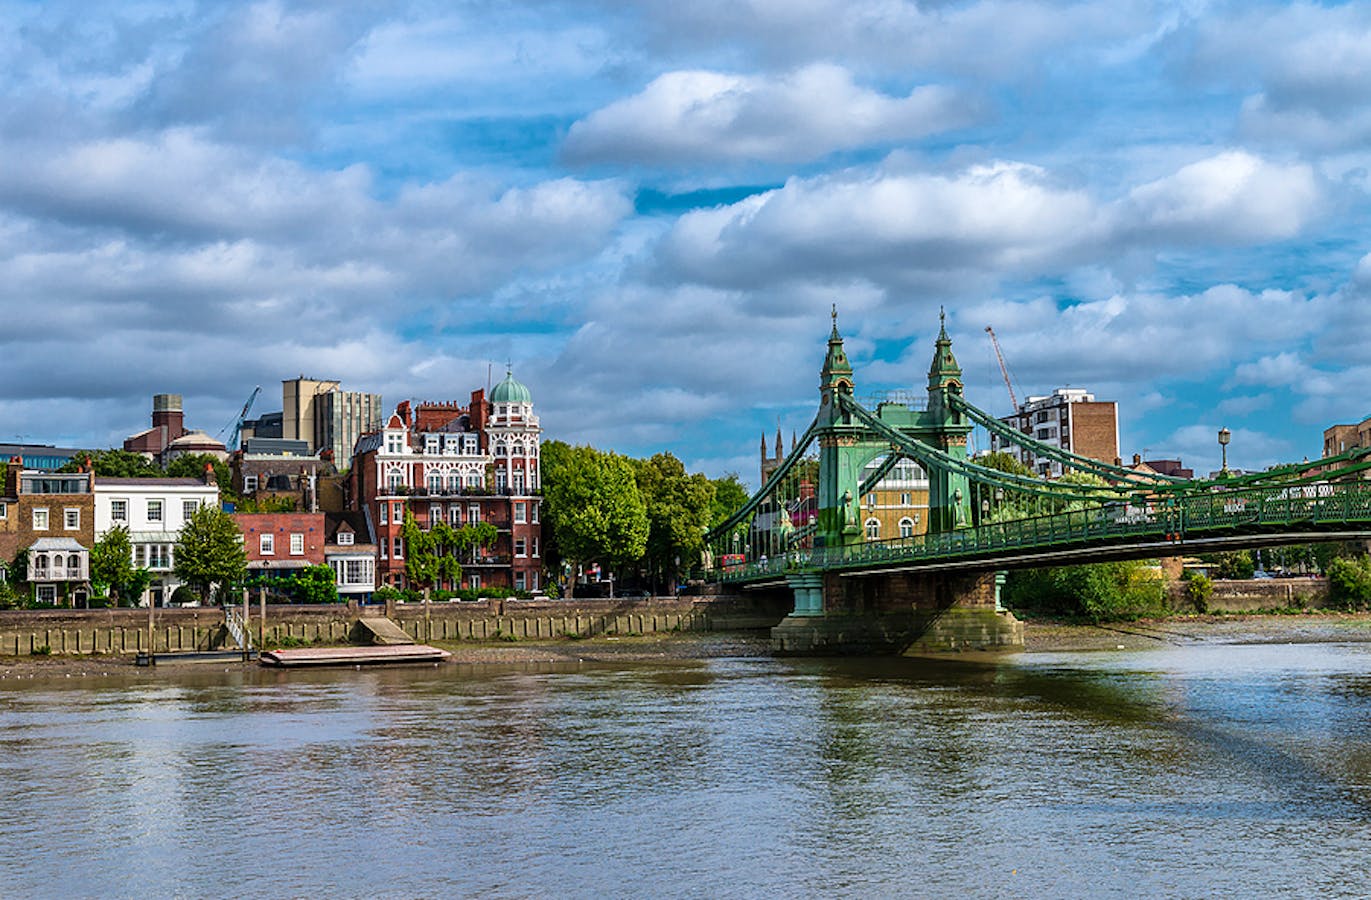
pixel 237 424
pixel 1004 370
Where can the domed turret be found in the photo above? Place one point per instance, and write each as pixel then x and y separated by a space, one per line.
pixel 510 391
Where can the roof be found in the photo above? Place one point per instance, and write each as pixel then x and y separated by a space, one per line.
pixel 510 391
pixel 101 481
pixel 354 521
pixel 63 543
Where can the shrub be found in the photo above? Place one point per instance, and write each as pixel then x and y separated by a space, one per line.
pixel 1349 582
pixel 1100 593
pixel 1198 590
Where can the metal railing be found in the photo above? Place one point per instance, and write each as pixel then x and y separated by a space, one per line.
pixel 1212 513
pixel 237 629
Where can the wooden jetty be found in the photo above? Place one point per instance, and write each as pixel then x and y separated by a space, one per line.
pixel 350 656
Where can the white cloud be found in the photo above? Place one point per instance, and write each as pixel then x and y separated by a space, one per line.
pixel 1232 197
pixel 695 117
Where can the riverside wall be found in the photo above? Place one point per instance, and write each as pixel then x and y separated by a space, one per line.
pixel 126 631
pixel 1253 594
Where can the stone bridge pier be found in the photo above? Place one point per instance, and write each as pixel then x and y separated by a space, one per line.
pixel 886 614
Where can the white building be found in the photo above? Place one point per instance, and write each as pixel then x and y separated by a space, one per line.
pixel 154 510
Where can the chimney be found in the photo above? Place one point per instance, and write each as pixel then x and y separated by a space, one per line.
pixel 210 477
pixel 1137 459
pixel 168 415
pixel 16 465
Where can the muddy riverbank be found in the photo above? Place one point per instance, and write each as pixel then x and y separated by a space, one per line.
pixel 1039 637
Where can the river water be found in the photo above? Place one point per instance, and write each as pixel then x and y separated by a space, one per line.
pixel 1187 771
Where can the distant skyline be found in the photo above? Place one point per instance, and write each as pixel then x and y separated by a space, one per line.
pixel 647 210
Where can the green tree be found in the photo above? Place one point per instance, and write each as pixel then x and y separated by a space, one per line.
pixel 313 584
pixel 1231 564
pixel 111 563
pixel 679 507
pixel 114 464
pixel 210 551
pixel 729 496
pixel 434 554
pixel 1100 592
pixel 192 465
pixel 594 507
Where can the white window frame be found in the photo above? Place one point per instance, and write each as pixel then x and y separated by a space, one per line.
pixel 873 529
pixel 249 484
pixel 4 510
pixel 385 509
pixel 345 538
pixel 297 543
pixel 41 519
pixel 906 527
pixel 189 508
pixel 521 548
pixel 474 514
pixel 154 510
pixel 119 510
pixel 398 552
pixel 520 513
pixel 266 544
pixel 46 593
pixel 71 518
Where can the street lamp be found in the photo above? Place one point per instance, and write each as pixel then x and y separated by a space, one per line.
pixel 1224 437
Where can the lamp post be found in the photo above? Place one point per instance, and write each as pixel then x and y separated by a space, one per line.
pixel 1224 437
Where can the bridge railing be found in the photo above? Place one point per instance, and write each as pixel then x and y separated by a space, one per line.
pixel 1173 519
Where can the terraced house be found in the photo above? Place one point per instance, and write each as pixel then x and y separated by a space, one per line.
pixel 52 517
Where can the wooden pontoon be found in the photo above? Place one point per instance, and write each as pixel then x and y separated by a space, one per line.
pixel 350 656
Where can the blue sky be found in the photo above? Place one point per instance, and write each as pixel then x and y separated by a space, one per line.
pixel 647 209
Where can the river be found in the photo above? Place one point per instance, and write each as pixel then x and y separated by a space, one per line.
pixel 1199 770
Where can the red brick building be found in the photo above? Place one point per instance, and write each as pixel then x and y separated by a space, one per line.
pixel 460 465
pixel 277 543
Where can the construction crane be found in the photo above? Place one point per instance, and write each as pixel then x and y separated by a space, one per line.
pixel 237 424
pixel 1004 370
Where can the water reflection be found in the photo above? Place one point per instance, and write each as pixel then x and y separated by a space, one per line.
pixel 1184 771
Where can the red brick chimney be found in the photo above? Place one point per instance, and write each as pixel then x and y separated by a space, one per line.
pixel 16 465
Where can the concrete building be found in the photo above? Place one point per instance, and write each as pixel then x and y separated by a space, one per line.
pixel 1341 438
pixel 1069 418
pixel 326 417
pixel 40 456
pixel 153 510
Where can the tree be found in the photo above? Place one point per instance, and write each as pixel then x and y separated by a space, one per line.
pixel 435 554
pixel 596 511
pixel 111 564
pixel 210 551
pixel 1100 592
pixel 192 465
pixel 729 496
pixel 313 584
pixel 679 507
pixel 114 464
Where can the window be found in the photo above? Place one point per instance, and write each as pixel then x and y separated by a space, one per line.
pixel 435 514
pixel 297 544
pixel 249 484
pixel 520 513
pixel 266 544
pixel 47 593
pixel 500 479
pixel 345 538
pixel 535 548
pixel 159 556
pixel 189 508
pixel 395 442
pixel 518 581
pixel 435 484
pixel 474 581
pixel 520 547
pixel 454 482
pixel 395 481
pixel 905 500
pixel 140 558
pixel 871 500
pixel 519 482
pixel 384 508
pixel 430 443
pixel 873 529
pixel 154 510
pixel 383 548
pixel 454 515
pixel 906 527
pixel 71 519
pixel 397 515
pixel 119 510
pixel 399 548
pixel 40 519
pixel 473 514
pixel 535 513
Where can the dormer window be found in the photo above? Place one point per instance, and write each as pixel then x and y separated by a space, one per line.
pixel 395 442
pixel 430 443
pixel 346 538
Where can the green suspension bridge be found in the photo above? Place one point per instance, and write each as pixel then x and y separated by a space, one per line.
pixel 804 531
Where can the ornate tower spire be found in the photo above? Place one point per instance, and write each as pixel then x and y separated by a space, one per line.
pixel 944 372
pixel 837 372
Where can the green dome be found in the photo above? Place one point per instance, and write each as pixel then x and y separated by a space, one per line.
pixel 510 391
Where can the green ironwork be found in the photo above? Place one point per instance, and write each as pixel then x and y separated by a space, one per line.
pixel 800 525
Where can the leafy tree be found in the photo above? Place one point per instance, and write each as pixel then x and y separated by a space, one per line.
pixel 435 554
pixel 111 563
pixel 679 507
pixel 1100 592
pixel 192 465
pixel 210 551
pixel 729 495
pixel 114 464
pixel 1349 582
pixel 1001 461
pixel 594 507
pixel 1231 564
pixel 313 584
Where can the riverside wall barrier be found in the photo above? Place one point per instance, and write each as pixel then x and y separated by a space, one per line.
pixel 126 631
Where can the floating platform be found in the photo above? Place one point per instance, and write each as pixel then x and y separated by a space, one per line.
pixel 190 656
pixel 353 656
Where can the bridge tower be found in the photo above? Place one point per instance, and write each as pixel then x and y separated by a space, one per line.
pixel 949 494
pixel 840 453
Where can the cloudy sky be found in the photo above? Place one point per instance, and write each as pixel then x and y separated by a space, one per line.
pixel 647 209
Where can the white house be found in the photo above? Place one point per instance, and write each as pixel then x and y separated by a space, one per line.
pixel 154 510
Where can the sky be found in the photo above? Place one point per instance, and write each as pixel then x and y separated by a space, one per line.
pixel 647 210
